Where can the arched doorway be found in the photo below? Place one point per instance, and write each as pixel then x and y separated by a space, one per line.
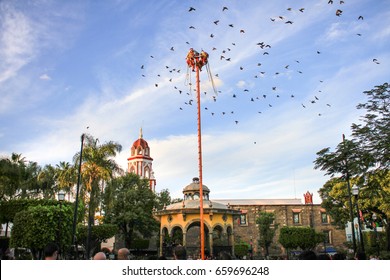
pixel 193 240
pixel 170 240
pixel 221 240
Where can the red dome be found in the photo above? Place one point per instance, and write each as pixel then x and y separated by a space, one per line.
pixel 140 143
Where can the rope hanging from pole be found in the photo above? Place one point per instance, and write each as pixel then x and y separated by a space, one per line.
pixel 211 78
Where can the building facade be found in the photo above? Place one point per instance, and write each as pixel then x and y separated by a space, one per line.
pixel 180 223
pixel 288 212
pixel 227 221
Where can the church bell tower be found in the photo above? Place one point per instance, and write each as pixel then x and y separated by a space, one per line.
pixel 140 161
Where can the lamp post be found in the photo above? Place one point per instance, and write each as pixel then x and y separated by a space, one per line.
pixel 355 192
pixel 376 235
pixel 61 198
pixel 76 203
pixel 349 199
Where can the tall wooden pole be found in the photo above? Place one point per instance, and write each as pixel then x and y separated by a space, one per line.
pixel 76 203
pixel 200 166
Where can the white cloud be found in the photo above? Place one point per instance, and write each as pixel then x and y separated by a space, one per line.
pixel 17 42
pixel 45 77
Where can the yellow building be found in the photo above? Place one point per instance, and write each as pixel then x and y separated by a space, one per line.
pixel 180 223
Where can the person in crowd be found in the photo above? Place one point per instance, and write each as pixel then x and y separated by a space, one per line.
pixel 123 254
pixel 360 255
pixel 307 255
pixel 51 251
pixel 9 254
pixel 180 253
pixel 339 256
pixel 100 256
pixel 323 257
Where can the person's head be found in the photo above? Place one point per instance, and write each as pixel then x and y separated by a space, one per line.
pixel 123 254
pixel 339 256
pixel 100 256
pixel 323 257
pixel 360 255
pixel 308 255
pixel 180 253
pixel 51 251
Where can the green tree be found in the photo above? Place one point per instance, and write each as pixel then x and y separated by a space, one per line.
pixel 18 177
pixel 305 238
pixel 164 198
pixel 373 133
pixel 9 208
pixel 98 165
pixel 39 225
pixel 267 230
pixel 99 234
pixel 334 195
pixel 47 182
pixel 364 161
pixel 241 249
pixel 129 203
pixel 66 175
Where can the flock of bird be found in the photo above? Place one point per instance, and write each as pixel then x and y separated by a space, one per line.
pixel 269 96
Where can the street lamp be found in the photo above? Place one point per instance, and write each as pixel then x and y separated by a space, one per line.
pixel 76 203
pixel 355 192
pixel 61 198
pixel 349 199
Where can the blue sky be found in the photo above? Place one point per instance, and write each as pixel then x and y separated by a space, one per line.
pixel 68 65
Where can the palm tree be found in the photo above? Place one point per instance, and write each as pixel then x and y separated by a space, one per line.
pixel 47 182
pixel 97 166
pixel 66 177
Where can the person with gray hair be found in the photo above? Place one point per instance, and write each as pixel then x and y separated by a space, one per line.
pixel 123 254
pixel 100 256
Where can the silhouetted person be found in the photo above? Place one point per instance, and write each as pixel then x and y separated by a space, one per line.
pixel 180 253
pixel 339 256
pixel 307 255
pixel 360 255
pixel 323 257
pixel 51 251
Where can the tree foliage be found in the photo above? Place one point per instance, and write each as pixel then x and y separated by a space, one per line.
pixel 97 166
pixel 363 160
pixel 18 177
pixel 99 234
pixel 267 230
pixel 373 134
pixel 37 226
pixel 241 249
pixel 129 203
pixel 305 238
pixel 8 209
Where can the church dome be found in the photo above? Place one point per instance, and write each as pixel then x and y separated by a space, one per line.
pixel 140 142
pixel 194 186
pixel 140 148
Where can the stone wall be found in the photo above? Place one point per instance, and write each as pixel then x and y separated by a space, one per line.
pixel 309 215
